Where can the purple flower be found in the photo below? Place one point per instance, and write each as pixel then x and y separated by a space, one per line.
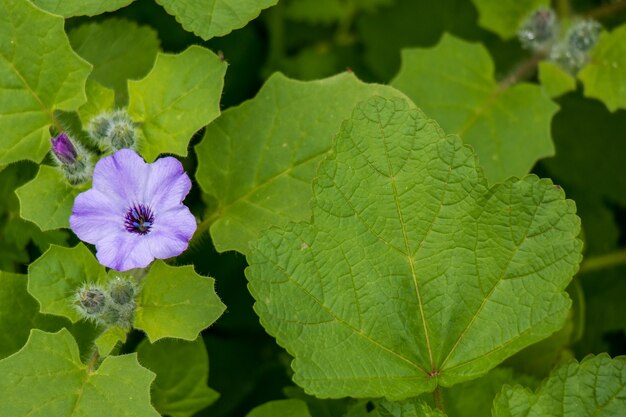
pixel 63 149
pixel 134 212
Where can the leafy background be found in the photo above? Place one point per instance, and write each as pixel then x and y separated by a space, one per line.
pixel 576 137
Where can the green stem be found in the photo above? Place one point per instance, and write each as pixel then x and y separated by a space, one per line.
pixel 523 71
pixel 607 11
pixel 609 260
pixel 439 399
pixel 93 360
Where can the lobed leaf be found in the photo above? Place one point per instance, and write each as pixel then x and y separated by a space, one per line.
pixel 594 387
pixel 178 97
pixel 504 17
pixel 47 378
pixel 70 8
pixel 554 80
pixel 413 272
pixel 453 82
pixel 181 368
pixel 39 73
pixel 99 100
pixel 209 18
pixel 258 159
pixel 176 302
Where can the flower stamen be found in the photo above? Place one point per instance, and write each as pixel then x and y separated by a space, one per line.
pixel 139 219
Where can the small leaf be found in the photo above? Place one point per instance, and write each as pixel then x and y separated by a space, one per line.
pixel 554 80
pixel 413 273
pixel 118 49
pixel 107 341
pixel 179 96
pixel 595 387
pixel 99 100
pixel 176 302
pixel 258 159
pixel 209 18
pixel 282 408
pixel 54 278
pixel 509 127
pixel 47 378
pixel 504 17
pixel 19 312
pixel 39 73
pixel 70 8
pixel 48 199
pixel 604 76
pixel 181 368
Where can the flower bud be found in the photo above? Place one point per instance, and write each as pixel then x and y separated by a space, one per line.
pixel 539 30
pixel 72 159
pixel 91 300
pixel 122 134
pixel 98 129
pixel 573 52
pixel 63 149
pixel 121 291
pixel 113 131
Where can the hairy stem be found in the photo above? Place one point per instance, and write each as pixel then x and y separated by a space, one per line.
pixel 608 10
pixel 609 260
pixel 439 399
pixel 93 361
pixel 523 71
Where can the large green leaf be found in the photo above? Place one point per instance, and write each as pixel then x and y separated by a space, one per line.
pixel 39 73
pixel 508 126
pixel 504 17
pixel 604 76
pixel 282 408
pixel 181 369
pixel 47 200
pixel 176 302
pixel 69 8
pixel 595 387
pixel 118 49
pixel 54 278
pixel 19 312
pixel 209 18
pixel 179 96
pixel 413 273
pixel 409 408
pixel 258 159
pixel 47 378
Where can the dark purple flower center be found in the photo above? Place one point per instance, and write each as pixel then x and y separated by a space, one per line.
pixel 139 219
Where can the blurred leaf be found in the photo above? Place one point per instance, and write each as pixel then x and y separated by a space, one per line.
pixel 504 17
pixel 554 80
pixel 99 100
pixel 54 278
pixel 411 263
pixel 604 76
pixel 48 199
pixel 67 387
pixel 178 97
pixel 118 49
pixel 69 8
pixel 282 408
pixel 39 73
pixel 409 408
pixel 595 387
pixel 329 11
pixel 209 18
pixel 181 369
pixel 258 159
pixel 176 302
pixel 508 126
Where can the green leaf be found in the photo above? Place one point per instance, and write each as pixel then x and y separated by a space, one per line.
pixel 118 49
pixel 504 17
pixel 595 387
pixel 108 340
pixel 39 73
pixel 410 408
pixel 209 18
pixel 282 408
pixel 70 8
pixel 413 273
pixel 554 80
pixel 48 199
pixel 99 100
pixel 258 159
pixel 54 278
pixel 604 76
pixel 176 302
pixel 508 126
pixel 179 96
pixel 329 11
pixel 47 378
pixel 181 368
pixel 19 312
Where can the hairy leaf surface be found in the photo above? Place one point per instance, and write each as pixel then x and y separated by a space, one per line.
pixel 453 82
pixel 413 272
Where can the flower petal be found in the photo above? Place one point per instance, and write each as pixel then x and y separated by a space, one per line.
pixel 95 216
pixel 122 176
pixel 124 251
pixel 171 232
pixel 167 184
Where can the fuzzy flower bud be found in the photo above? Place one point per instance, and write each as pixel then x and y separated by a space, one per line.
pixel 539 30
pixel 113 131
pixel 121 291
pixel 72 159
pixel 63 149
pixel 573 52
pixel 91 300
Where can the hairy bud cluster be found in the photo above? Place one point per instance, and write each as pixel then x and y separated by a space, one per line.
pixel 540 32
pixel 113 305
pixel 74 161
pixel 113 131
